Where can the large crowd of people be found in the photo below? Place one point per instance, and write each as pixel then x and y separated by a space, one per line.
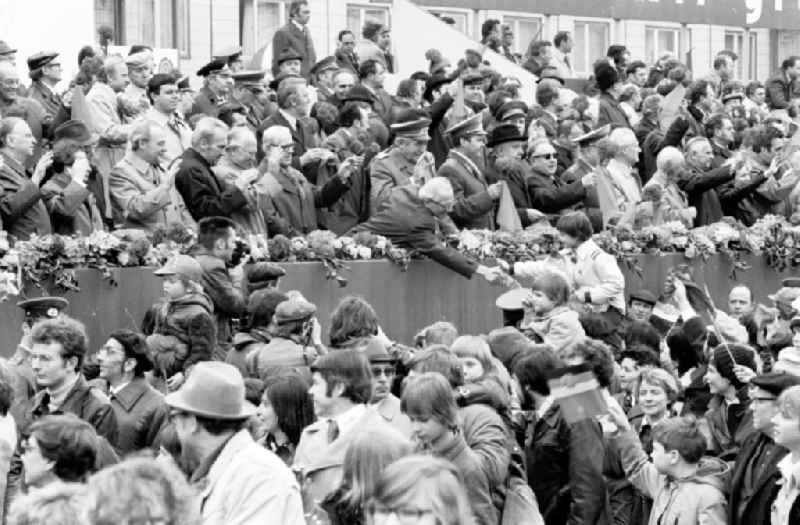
pixel 240 403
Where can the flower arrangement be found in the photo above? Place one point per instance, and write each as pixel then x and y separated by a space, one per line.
pixel 56 256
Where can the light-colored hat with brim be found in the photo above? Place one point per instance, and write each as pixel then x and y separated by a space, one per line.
pixel 182 265
pixel 214 390
pixel 512 299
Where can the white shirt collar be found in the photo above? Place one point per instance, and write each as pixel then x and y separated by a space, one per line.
pixel 299 26
pixel 790 471
pixel 290 118
pixel 117 389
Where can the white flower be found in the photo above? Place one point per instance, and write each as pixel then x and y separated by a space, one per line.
pixel 351 250
pixel 468 241
pixel 380 244
pixel 364 252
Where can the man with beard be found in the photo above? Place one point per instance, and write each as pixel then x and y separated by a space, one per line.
pixel 755 472
pixel 464 168
pixel 139 409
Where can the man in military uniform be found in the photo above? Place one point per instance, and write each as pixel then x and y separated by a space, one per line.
pixel 406 161
pixel 464 168
pixel 133 101
pixel 232 55
pixel 322 75
pixel 45 73
pixel 215 91
pixel 249 91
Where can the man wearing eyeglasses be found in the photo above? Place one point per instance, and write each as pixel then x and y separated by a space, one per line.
pixel 549 194
pixel 216 88
pixel 45 72
pixel 755 472
pixel 383 375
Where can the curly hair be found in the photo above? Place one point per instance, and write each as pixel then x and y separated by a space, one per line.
pixel 594 353
pixel 66 331
pixel 353 317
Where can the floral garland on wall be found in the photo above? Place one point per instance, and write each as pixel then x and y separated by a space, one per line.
pixel 57 256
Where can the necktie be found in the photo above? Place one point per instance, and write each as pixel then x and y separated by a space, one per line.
pixel 566 61
pixel 333 430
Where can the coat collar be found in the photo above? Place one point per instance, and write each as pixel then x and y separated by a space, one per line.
pixel 389 407
pixel 193 154
pixel 131 393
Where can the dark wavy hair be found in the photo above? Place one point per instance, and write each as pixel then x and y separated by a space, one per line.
pixel 597 355
pixel 349 368
pixel 293 406
pixel 68 332
pixel 353 317
pixel 69 442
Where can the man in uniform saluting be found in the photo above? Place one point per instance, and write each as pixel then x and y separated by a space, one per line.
pixel 405 162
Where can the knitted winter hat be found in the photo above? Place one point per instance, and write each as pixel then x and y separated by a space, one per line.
pixel 726 356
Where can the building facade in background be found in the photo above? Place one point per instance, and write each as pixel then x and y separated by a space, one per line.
pixel 761 32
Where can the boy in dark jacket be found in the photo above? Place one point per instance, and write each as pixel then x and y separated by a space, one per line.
pixel 184 331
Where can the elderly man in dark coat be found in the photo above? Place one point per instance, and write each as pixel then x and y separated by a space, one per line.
pixel 216 88
pixel 140 410
pixel 465 168
pixel 45 72
pixel 412 217
pixel 204 194
pixel 701 181
pixel 755 472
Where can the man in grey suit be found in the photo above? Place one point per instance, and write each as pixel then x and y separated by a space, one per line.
pixel 295 35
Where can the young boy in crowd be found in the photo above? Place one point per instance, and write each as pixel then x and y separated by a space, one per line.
pixel 184 330
pixel 686 487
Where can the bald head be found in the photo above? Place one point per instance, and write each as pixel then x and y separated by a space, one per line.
pixel 740 300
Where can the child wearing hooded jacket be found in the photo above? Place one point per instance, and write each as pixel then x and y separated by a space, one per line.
pixel 547 314
pixel 686 487
pixel 184 331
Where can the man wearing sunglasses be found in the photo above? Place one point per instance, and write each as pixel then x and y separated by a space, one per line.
pixel 384 372
pixel 549 194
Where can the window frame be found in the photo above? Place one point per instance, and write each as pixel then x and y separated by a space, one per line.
pixel 175 44
pixel 589 61
pixel 739 35
pixel 752 55
pixel 363 7
pixel 283 13
pixel 676 30
pixel 522 49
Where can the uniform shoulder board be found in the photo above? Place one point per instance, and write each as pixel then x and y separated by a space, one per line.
pixel 596 254
pixel 383 154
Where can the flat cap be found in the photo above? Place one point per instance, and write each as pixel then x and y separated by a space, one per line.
pixel 552 73
pixel 214 66
pixel 470 126
pixel 775 382
pixel 732 96
pixel 359 93
pixel 264 271
pixel 41 59
pixel 503 133
pixel 248 77
pixel 593 136
pixel 294 309
pixel 73 130
pixel 412 124
pixel 512 109
pixel 43 307
pixel 5 49
pixel 475 50
pixel 645 296
pixel 472 79
pixel 326 64
pixel 184 266
pixel 228 53
pixel 289 54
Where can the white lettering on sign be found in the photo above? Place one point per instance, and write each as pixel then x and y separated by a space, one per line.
pixel 754 8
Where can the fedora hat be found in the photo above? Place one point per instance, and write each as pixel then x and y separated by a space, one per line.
pixel 213 390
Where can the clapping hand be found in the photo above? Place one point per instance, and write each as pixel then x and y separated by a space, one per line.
pixel 41 167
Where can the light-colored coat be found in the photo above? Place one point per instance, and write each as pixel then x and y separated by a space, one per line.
pixel 697 500
pixel 248 484
pixel 557 328
pixel 597 272
pixel 140 200
pixel 320 461
pixel 389 409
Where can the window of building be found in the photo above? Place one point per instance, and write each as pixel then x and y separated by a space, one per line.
pixel 141 22
pixel 111 13
pixel 258 21
pixel 460 18
pixel 526 29
pixel 591 41
pixel 752 66
pixel 734 41
pixel 357 15
pixel 174 24
pixel 660 41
